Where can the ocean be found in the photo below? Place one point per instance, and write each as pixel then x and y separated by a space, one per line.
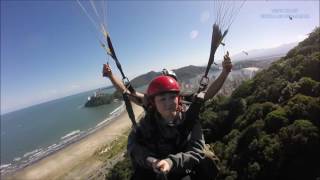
pixel 32 133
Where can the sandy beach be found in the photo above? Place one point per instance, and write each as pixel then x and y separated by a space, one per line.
pixel 64 164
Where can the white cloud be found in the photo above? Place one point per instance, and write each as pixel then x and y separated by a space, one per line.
pixel 194 34
pixel 301 37
pixel 74 86
pixel 53 91
pixel 205 15
pixel 275 44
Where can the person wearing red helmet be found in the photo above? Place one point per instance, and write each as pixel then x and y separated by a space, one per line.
pixel 161 144
pixel 163 95
pixel 169 140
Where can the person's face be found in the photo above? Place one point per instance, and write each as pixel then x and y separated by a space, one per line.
pixel 167 105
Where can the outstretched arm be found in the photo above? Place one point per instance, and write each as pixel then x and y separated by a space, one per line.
pixel 107 72
pixel 117 83
pixel 214 87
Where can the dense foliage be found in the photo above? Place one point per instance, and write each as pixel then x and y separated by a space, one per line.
pixel 269 128
pixel 121 171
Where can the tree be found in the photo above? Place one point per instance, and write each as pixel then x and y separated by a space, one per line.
pixel 121 171
pixel 301 106
pixel 300 147
pixel 276 120
pixel 244 90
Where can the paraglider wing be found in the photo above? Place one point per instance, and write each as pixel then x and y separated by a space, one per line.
pixel 108 47
pixel 246 53
pixel 225 13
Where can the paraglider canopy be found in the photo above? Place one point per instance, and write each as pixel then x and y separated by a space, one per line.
pixel 246 53
pixel 225 12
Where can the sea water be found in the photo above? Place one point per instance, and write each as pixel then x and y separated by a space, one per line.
pixel 32 133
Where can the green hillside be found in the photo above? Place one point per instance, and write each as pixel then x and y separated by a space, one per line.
pixel 269 128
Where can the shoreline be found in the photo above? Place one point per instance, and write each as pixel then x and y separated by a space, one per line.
pixel 70 138
pixel 62 161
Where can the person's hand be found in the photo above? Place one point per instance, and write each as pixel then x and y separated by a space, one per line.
pixel 152 161
pixel 227 64
pixel 106 71
pixel 161 166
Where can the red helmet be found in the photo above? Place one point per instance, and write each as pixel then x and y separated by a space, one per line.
pixel 162 84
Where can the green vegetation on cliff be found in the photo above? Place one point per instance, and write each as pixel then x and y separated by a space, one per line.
pixel 269 128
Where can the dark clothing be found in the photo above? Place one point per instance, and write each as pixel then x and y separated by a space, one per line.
pixel 206 170
pixel 148 174
pixel 179 142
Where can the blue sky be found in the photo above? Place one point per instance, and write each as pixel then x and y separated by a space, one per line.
pixel 49 49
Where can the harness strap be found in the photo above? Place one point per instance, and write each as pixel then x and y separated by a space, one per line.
pixel 125 81
pixel 129 109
